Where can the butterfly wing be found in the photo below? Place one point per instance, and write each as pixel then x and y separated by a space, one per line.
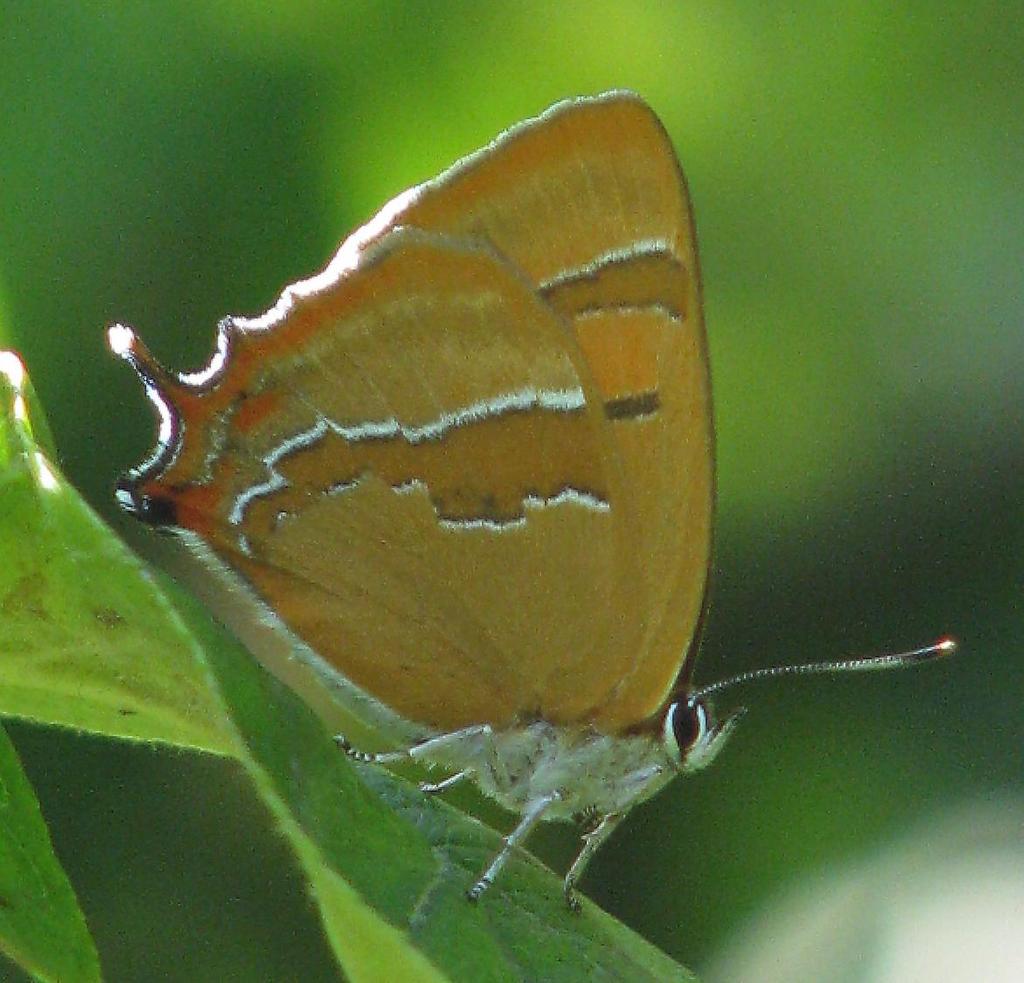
pixel 470 463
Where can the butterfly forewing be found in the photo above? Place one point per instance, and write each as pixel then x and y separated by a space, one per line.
pixel 590 203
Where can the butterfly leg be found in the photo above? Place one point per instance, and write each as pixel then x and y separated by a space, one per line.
pixel 531 816
pixel 593 839
pixel 591 842
pixel 370 757
pixel 467 744
pixel 433 788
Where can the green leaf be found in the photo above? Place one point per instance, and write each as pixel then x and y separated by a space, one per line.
pixel 87 640
pixel 92 641
pixel 42 928
pixel 390 865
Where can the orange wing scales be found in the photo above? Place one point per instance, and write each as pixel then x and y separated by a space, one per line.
pixel 470 463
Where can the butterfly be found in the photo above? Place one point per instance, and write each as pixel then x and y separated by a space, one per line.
pixel 468 470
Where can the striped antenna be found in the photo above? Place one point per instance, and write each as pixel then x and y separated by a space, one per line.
pixel 897 660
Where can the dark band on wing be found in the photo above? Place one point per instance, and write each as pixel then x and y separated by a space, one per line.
pixel 632 407
pixel 652 277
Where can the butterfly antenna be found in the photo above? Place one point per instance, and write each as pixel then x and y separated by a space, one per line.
pixel 897 660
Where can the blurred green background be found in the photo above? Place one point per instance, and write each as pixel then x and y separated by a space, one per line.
pixel 857 174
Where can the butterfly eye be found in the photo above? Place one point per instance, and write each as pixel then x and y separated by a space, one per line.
pixel 690 734
pixel 686 725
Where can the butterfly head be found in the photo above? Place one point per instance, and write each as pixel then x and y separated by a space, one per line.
pixel 691 735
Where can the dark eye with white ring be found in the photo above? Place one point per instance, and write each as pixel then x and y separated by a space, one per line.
pixel 690 735
pixel 685 727
pixel 688 723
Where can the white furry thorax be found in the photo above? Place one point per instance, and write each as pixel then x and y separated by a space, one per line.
pixel 587 770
